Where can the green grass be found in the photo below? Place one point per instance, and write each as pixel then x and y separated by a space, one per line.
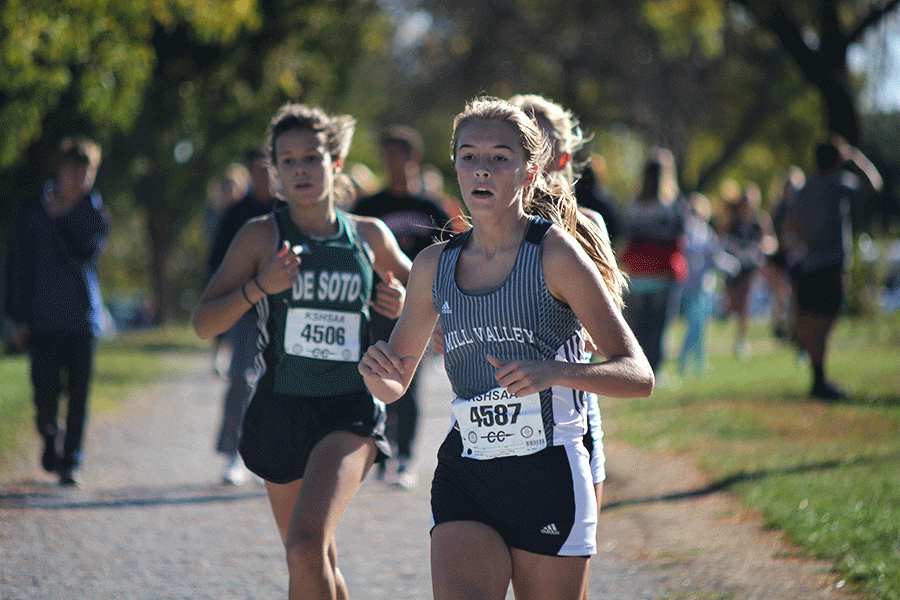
pixel 826 474
pixel 15 406
pixel 122 366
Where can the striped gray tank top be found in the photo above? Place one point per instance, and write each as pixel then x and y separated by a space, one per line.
pixel 520 320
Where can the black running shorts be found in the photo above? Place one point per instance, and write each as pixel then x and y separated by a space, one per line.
pixel 279 432
pixel 821 292
pixel 542 503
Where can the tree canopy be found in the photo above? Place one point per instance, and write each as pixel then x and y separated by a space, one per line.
pixel 176 89
pixel 92 59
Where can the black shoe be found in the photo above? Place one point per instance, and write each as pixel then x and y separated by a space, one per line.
pixel 69 478
pixel 828 392
pixel 49 458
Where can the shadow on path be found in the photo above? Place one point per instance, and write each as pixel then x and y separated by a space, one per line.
pixel 31 495
pixel 45 496
pixel 733 480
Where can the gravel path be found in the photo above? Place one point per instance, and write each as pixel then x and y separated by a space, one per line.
pixel 153 522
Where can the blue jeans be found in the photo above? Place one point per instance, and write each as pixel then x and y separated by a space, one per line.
pixel 697 307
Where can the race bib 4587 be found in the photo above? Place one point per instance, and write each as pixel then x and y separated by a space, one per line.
pixel 498 423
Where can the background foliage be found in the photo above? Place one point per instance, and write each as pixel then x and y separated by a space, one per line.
pixel 176 89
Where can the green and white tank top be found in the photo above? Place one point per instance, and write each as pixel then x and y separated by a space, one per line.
pixel 314 334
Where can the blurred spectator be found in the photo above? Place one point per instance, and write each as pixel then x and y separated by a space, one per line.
pixel 223 191
pixel 777 262
pixel 820 217
pixel 416 221
pixel 53 299
pixel 653 230
pixel 591 192
pixel 364 183
pixel 746 232
pixel 704 255
pixel 241 338
pixel 433 186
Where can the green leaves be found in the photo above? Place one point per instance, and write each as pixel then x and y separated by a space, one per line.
pixel 682 24
pixel 98 52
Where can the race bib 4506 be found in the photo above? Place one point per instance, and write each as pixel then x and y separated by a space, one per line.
pixel 322 334
pixel 499 423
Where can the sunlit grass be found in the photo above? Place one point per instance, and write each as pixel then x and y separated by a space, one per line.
pixel 827 474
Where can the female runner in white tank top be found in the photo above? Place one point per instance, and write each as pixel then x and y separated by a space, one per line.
pixel 485 539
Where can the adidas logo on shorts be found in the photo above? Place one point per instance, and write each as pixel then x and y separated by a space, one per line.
pixel 550 529
pixel 445 309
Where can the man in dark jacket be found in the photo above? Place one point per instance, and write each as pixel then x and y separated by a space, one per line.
pixel 819 217
pixel 54 302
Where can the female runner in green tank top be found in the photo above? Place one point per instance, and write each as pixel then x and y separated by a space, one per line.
pixel 307 270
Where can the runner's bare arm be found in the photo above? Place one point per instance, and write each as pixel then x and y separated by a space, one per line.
pixel 250 270
pixel 574 279
pixel 388 367
pixel 388 255
pixel 390 262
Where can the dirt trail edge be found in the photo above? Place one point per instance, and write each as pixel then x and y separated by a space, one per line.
pixel 152 520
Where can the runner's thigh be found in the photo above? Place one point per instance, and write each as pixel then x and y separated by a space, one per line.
pixel 282 498
pixel 469 560
pixel 336 468
pixel 540 577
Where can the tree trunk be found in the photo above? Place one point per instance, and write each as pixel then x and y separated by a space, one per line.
pixel 825 67
pixel 148 192
pixel 841 111
pixel 160 250
pixel 752 120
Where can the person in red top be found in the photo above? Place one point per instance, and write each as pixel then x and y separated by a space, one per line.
pixel 652 256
